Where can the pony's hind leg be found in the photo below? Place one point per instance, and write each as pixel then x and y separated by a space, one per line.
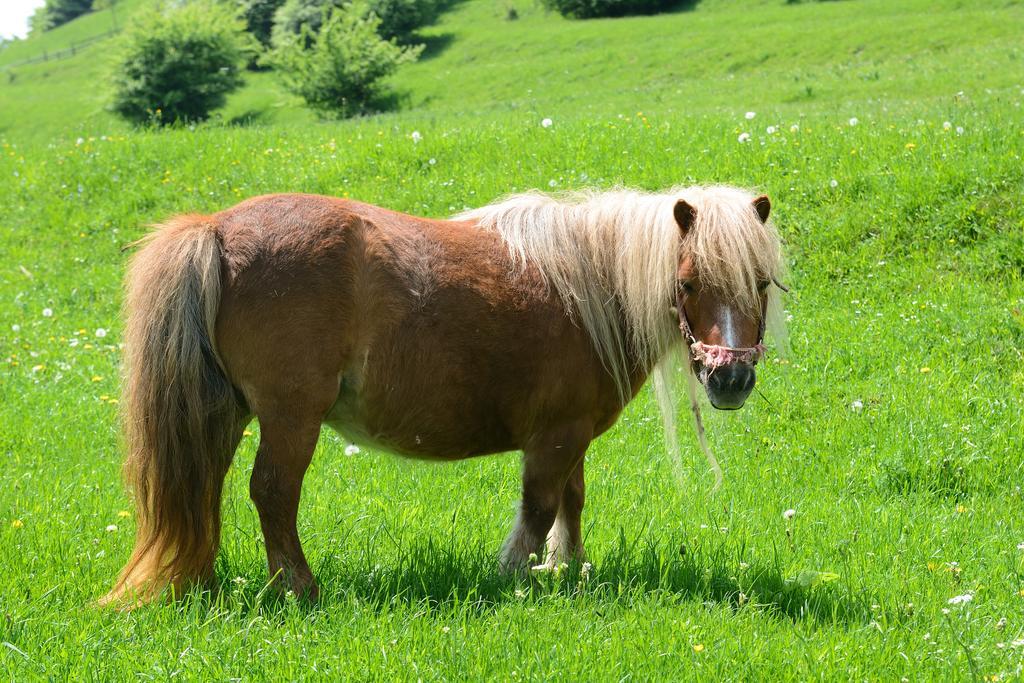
pixel 565 540
pixel 547 465
pixel 288 437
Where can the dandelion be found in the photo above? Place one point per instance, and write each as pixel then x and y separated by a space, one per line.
pixel 770 130
pixel 79 142
pixel 911 146
pixel 432 161
pixel 947 126
pixel 545 123
pixel 750 115
pixel 17 524
pixel 585 570
pixel 857 405
pixel 960 599
pixel 111 528
pixel 794 128
pixel 699 647
pixel 416 137
pixel 959 130
pixel 1020 546
pixel 246 432
pixel 854 121
pixel 101 333
pixel 789 514
pixel 97 378
pixel 123 514
pixel 15 328
pixel 961 509
pixel 925 370
pixel 552 183
pixel 833 183
pixel 47 312
pixel 351 449
pixel 744 137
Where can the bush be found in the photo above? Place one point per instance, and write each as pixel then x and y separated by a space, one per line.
pixel 57 12
pixel 338 71
pixel 179 65
pixel 398 18
pixel 589 9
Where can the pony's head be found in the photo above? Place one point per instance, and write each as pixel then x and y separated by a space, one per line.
pixel 727 273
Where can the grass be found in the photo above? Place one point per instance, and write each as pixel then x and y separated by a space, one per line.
pixel 907 298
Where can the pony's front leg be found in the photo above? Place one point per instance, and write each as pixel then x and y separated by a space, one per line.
pixel 548 463
pixel 565 540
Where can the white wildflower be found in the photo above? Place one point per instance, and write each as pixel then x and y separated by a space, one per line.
pixel 351 449
pixel 857 405
pixel 111 528
pixel 15 328
pixel 770 130
pixel 854 121
pixel 416 137
pixel 100 332
pixel 947 126
pixel 751 115
pixel 47 312
pixel 432 161
pixel 552 183
pixel 744 137
pixel 833 183
pixel 545 123
pixel 959 130
pixel 789 514
pixel 960 599
pixel 794 128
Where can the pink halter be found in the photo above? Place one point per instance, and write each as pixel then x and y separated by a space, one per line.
pixel 713 356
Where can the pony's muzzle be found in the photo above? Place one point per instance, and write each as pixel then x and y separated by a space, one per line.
pixel 729 385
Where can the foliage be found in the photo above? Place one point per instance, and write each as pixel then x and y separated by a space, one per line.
pixel 338 71
pixel 398 18
pixel 259 17
pixel 179 64
pixel 589 9
pixel 57 13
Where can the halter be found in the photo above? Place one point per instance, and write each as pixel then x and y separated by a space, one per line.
pixel 713 356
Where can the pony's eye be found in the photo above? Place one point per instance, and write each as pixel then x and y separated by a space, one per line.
pixel 685 287
pixel 762 285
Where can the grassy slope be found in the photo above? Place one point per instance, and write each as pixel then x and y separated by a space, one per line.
pixel 913 260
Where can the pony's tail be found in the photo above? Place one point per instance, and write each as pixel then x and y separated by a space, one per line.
pixel 181 417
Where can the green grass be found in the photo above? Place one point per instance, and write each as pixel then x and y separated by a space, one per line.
pixel 912 261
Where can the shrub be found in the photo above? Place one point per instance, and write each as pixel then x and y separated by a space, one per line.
pixel 179 65
pixel 398 18
pixel 589 9
pixel 338 71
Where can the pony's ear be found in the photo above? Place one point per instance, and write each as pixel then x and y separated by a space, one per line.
pixel 763 207
pixel 685 215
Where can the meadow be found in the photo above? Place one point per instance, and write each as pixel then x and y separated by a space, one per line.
pixel 890 138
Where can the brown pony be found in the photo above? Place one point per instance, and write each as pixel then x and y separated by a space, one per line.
pixel 527 324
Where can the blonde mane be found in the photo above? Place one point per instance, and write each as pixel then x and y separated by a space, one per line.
pixel 612 257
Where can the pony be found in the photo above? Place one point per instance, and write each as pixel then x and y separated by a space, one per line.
pixel 527 324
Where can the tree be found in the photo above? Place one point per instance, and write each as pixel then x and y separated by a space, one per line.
pixel 259 17
pixel 180 64
pixel 57 12
pixel 398 18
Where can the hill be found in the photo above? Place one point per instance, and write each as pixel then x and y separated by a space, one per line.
pixel 869 527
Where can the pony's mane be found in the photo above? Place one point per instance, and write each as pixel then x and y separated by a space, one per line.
pixel 613 256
